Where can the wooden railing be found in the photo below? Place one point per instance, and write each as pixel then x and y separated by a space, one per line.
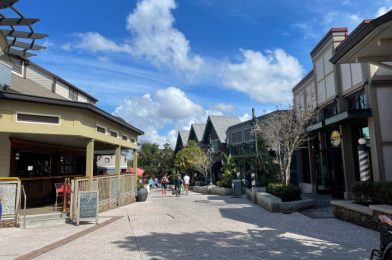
pixel 113 190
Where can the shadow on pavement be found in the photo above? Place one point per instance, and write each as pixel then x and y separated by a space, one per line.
pixel 255 244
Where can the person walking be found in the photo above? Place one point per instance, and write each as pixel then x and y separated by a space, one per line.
pixel 177 185
pixel 186 183
pixel 164 182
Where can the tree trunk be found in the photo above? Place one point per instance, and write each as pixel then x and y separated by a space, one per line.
pixel 287 171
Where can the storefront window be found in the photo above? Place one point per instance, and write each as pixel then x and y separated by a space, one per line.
pixel 72 165
pixel 365 134
pixel 30 165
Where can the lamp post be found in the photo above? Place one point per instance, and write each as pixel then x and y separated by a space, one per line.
pixel 254 130
pixel 209 153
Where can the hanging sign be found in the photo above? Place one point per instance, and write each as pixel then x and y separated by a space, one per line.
pixel 335 138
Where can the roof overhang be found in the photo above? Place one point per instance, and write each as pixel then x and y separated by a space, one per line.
pixel 347 115
pixel 370 42
pixel 315 126
pixel 80 105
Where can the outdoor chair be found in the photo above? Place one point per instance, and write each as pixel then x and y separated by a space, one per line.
pixel 59 187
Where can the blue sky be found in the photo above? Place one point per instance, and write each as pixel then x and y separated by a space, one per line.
pixel 164 64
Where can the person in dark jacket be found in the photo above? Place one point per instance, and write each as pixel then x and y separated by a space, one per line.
pixel 177 184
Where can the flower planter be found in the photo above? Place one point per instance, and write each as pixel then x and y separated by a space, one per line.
pixel 141 195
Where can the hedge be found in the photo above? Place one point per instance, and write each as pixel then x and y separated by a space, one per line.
pixel 284 192
pixel 369 192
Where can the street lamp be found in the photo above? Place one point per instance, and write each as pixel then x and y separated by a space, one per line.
pixel 209 153
pixel 254 130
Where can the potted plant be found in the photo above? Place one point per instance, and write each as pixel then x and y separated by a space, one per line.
pixel 142 192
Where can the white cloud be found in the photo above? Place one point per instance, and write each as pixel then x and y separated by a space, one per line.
pixel 266 77
pixel 383 10
pixel 95 42
pixel 154 36
pixel 245 117
pixel 168 107
pixel 224 107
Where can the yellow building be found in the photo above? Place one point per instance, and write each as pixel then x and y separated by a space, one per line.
pixel 50 129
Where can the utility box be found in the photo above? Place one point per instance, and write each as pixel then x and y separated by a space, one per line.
pixel 236 185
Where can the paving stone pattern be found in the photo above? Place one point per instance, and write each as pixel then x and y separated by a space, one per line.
pixel 195 226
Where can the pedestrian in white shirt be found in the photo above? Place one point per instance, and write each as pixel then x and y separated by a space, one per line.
pixel 186 183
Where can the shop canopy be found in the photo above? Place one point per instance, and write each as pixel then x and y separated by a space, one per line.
pixel 139 171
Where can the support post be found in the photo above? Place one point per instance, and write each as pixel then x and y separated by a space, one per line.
pixel 90 161
pixel 134 160
pixel 118 170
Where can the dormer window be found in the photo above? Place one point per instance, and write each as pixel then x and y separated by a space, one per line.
pixel 73 95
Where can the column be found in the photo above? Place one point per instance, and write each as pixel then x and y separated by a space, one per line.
pixel 348 159
pixel 134 160
pixel 5 155
pixel 90 160
pixel 117 159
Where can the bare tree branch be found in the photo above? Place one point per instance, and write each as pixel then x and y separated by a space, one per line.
pixel 284 132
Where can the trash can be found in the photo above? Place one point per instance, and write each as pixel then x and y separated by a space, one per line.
pixel 236 185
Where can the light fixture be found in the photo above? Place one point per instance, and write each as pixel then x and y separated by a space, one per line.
pixel 16 156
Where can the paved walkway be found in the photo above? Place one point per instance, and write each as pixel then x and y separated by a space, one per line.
pixel 193 227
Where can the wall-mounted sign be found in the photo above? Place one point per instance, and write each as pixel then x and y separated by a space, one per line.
pixel 335 138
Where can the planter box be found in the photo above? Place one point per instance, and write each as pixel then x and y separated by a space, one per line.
pixel 275 204
pixel 201 189
pixel 355 213
pixel 221 191
pixel 251 195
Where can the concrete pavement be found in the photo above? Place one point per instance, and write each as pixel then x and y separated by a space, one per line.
pixel 195 226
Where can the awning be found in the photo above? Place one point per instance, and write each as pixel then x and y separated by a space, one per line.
pixel 347 115
pixel 315 126
pixel 139 171
pixel 370 42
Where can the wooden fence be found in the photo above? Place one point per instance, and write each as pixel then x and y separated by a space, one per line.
pixel 113 191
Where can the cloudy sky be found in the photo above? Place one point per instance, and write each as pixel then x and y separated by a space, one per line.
pixel 165 64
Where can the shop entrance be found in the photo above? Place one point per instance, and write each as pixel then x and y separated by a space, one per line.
pixel 329 165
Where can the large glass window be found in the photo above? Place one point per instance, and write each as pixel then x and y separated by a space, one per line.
pixel 72 165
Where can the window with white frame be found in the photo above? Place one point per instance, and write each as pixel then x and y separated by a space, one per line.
pixel 37 118
pixel 113 133
pixel 101 129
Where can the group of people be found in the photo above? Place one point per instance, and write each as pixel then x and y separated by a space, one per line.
pixel 180 184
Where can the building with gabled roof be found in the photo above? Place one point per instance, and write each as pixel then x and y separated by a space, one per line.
pixel 196 132
pixel 182 140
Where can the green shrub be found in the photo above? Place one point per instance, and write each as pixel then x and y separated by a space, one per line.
pixel 225 181
pixel 284 192
pixel 372 192
pixel 363 192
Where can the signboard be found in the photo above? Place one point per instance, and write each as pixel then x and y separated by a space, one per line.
pixel 335 138
pixel 8 198
pixel 87 205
